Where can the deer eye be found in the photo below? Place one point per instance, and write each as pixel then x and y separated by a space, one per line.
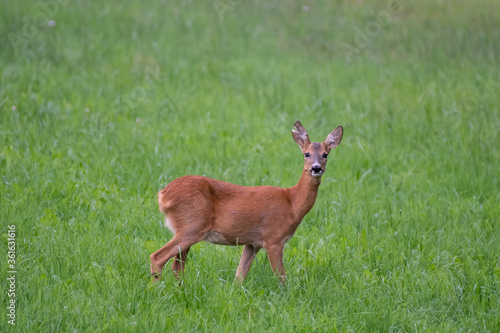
pixel 325 155
pixel 306 154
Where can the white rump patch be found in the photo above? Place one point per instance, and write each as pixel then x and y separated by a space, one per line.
pixel 168 224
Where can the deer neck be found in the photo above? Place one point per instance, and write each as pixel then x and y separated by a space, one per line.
pixel 303 195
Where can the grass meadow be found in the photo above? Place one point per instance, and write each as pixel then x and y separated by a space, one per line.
pixel 103 103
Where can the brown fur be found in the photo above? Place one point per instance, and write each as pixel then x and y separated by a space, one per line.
pixel 200 208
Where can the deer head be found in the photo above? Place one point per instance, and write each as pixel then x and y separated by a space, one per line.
pixel 315 153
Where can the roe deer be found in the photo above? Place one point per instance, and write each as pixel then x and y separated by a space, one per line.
pixel 199 208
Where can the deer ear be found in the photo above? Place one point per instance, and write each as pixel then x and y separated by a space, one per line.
pixel 334 138
pixel 300 135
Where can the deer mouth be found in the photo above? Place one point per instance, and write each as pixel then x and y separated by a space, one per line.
pixel 316 173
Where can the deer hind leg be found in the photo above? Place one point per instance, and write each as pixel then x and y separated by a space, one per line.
pixel 275 254
pixel 178 244
pixel 249 252
pixel 180 262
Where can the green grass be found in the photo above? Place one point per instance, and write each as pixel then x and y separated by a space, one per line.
pixel 100 111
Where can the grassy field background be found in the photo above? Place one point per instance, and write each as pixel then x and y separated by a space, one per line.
pixel 109 101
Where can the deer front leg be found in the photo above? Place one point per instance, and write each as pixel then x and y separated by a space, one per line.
pixel 275 254
pixel 249 252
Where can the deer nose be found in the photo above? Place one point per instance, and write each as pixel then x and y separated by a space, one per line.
pixel 316 168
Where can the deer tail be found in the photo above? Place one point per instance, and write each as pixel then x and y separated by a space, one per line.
pixel 163 203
